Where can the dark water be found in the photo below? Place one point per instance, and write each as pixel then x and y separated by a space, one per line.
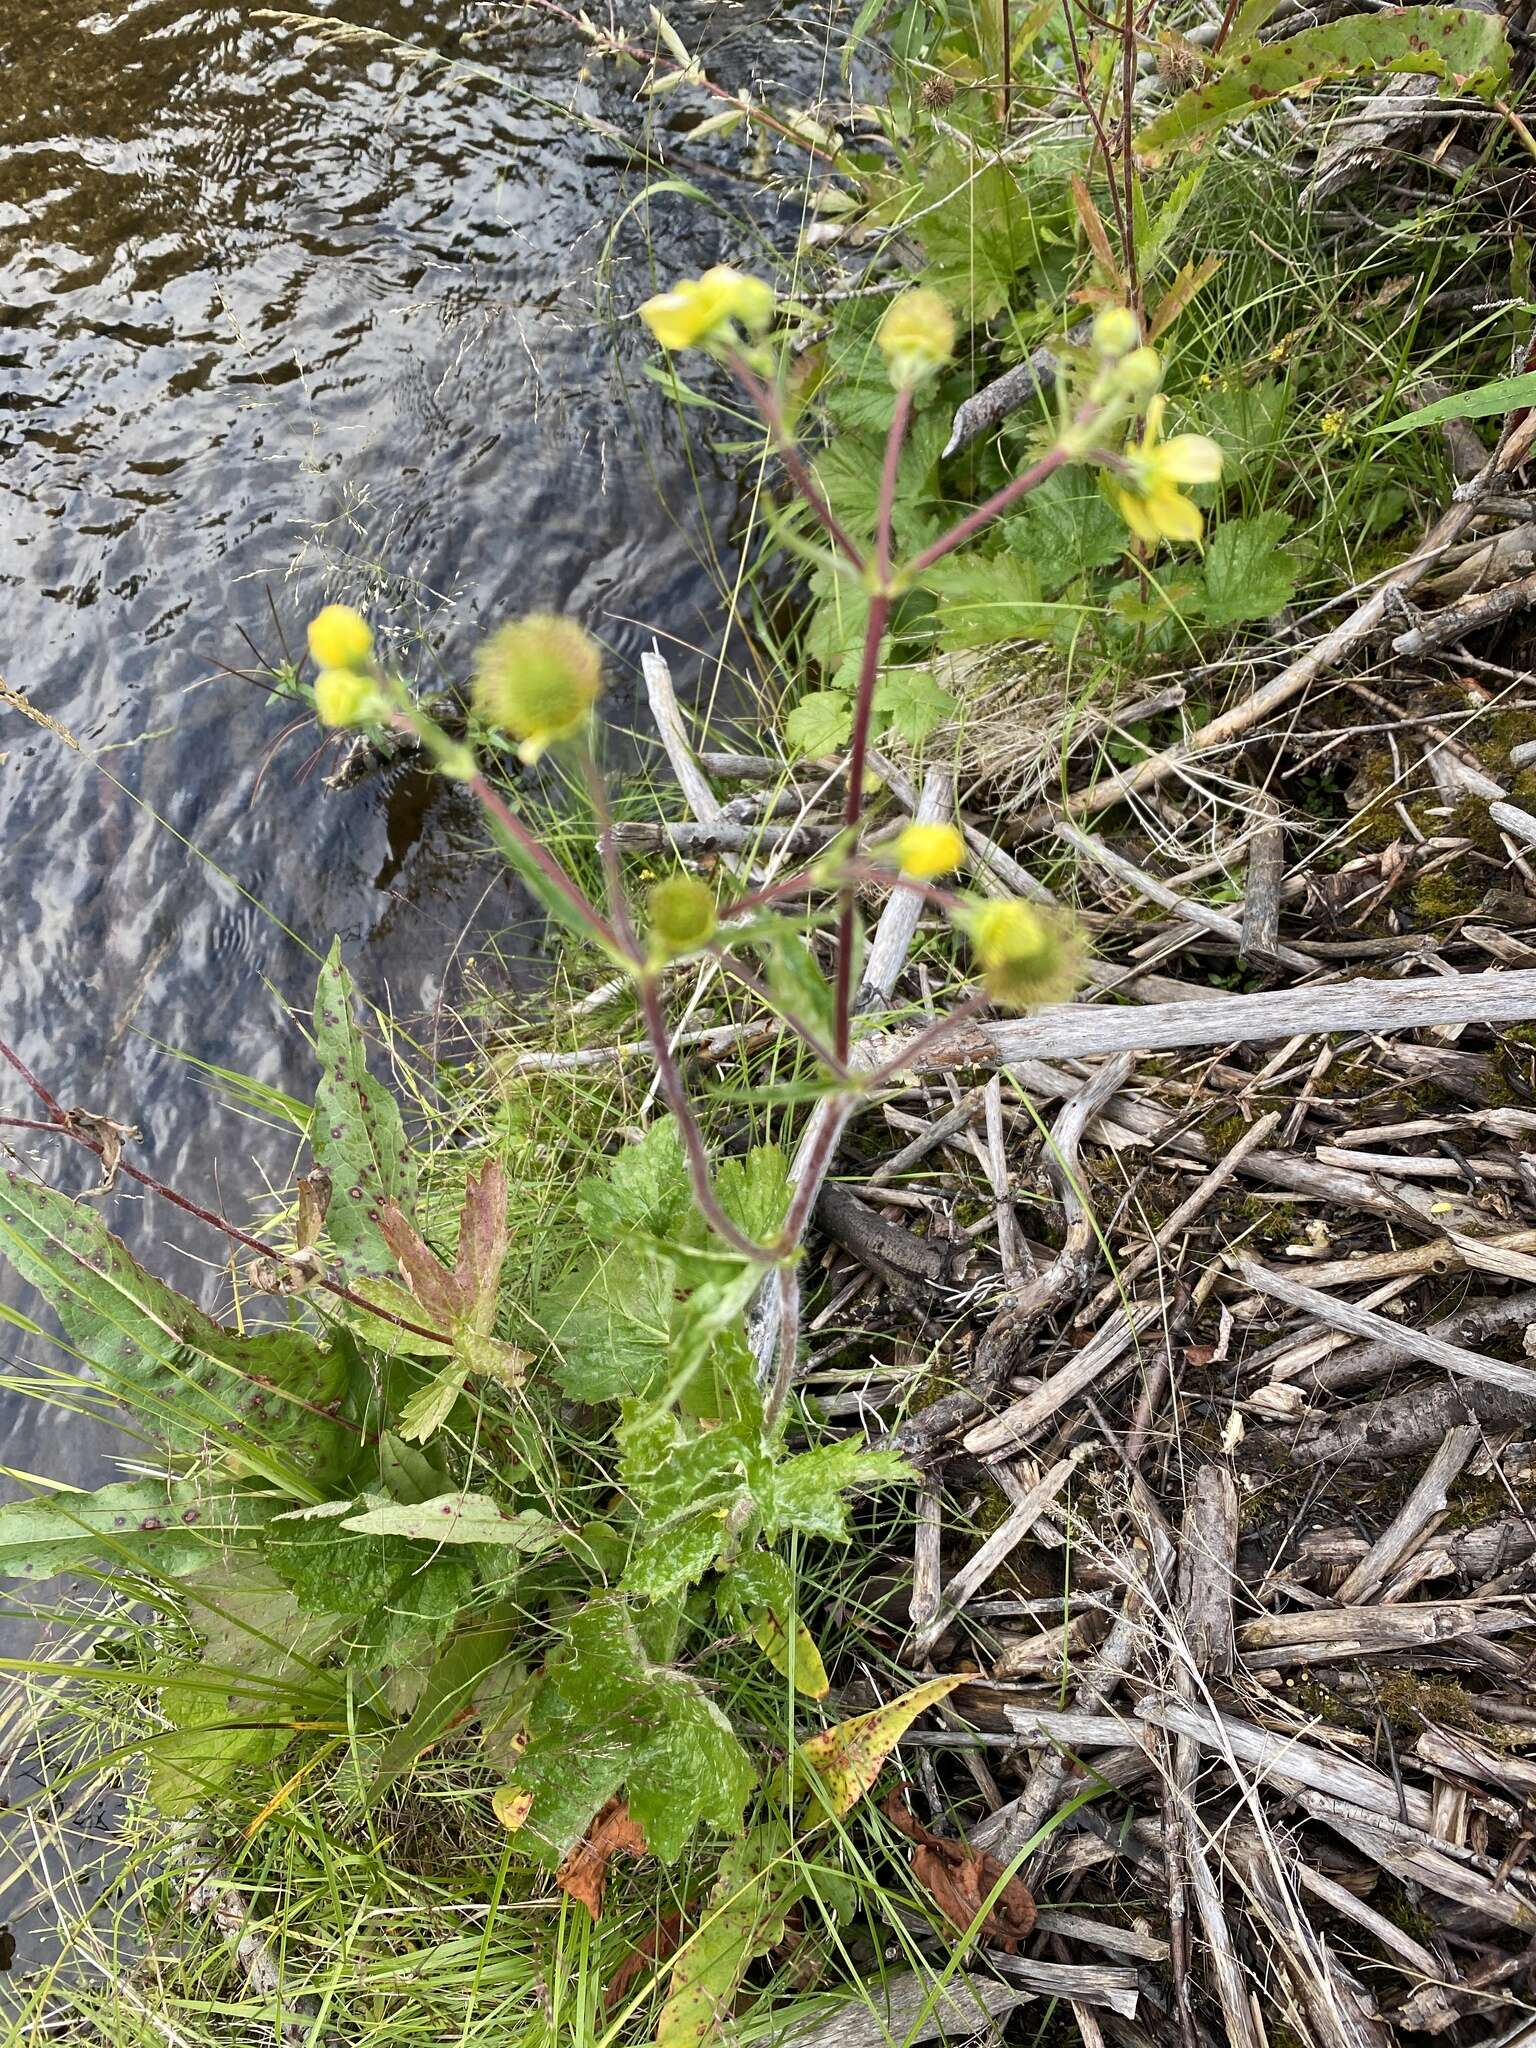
pixel 278 322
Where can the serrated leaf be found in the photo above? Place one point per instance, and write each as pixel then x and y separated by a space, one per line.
pixel 398 1602
pixel 609 1321
pixel 846 1760
pixel 806 1492
pixel 821 723
pixel 604 1717
pixel 267 1391
pixel 457 1518
pixel 754 1191
pixel 1467 48
pixel 910 702
pixel 1247 574
pixel 743 1918
pixel 432 1403
pixel 1065 529
pixel 985 599
pixel 644 1189
pixel 140 1525
pixel 676 1555
pixel 356 1135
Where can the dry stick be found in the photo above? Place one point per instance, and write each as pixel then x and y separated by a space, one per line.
pixel 661 696
pixel 1364 1322
pixel 1077 1030
pixel 1180 1219
pixel 1199 914
pixel 1003 1435
pixel 1426 1504
pixel 1318 659
pixel 1000 1545
pixel 1443 629
pixel 1261 894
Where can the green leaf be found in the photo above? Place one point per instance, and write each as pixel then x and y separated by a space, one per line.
pixel 1065 529
pixel 821 723
pixel 911 702
pixel 676 1555
pixel 806 1493
pixel 743 1918
pixel 1482 401
pixel 184 1375
pixel 1249 421
pixel 645 1188
pixel 357 1135
pixel 797 980
pixel 609 1320
pixel 142 1525
pixel 432 1403
pixel 1247 575
pixel 604 1717
pixel 397 1600
pixel 761 1588
pixel 983 600
pixel 456 1518
pixel 979 229
pixel 448 1691
pixel 754 1191
pixel 1467 49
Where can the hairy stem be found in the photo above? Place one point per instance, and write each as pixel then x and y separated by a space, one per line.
pixel 766 400
pixel 1000 502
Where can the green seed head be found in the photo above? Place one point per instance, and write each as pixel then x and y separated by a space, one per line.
pixel 1027 957
pixel 916 337
pixel 538 679
pixel 343 697
pixel 681 915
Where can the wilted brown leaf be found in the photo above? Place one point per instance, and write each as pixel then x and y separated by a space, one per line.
pixel 959 1879
pixel 584 1872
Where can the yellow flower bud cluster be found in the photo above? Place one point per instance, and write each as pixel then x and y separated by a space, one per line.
pixel 712 311
pixel 538 679
pixel 346 688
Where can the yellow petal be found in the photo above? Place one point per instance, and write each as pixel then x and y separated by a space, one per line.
pixel 1133 510
pixel 1175 517
pixel 1190 459
pixel 1156 407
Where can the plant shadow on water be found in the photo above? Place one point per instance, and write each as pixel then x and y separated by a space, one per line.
pixel 284 321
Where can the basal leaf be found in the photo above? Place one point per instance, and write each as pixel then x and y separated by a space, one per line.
pixel 604 1716
pixel 397 1598
pixel 677 1554
pixel 743 1918
pixel 1466 48
pixel 986 599
pixel 356 1135
pixel 269 1391
pixel 645 1188
pixel 909 702
pixel 806 1492
pixel 456 1518
pixel 845 1760
pixel 1247 574
pixel 608 1322
pixel 821 723
pixel 141 1525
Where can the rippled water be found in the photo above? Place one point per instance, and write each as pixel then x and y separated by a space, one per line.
pixel 277 320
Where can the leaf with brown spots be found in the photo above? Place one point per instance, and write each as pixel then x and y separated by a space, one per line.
pixel 960 1880
pixel 846 1759
pixel 584 1873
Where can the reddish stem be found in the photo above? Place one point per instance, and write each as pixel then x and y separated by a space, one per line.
pixel 766 400
pixel 995 506
pixel 853 806
pixel 693 1142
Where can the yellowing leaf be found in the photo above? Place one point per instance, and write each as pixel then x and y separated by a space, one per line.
pixel 799 1660
pixel 510 1804
pixel 847 1759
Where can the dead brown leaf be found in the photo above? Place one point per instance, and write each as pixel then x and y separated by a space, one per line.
pixel 584 1872
pixel 959 1880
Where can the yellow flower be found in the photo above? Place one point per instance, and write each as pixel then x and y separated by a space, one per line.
pixel 699 311
pixel 1332 423
pixel 343 697
pixel 1027 957
pixel 916 337
pixel 340 638
pixel 538 679
pixel 1149 498
pixel 681 915
pixel 926 851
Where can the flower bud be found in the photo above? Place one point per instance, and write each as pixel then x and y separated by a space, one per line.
pixel 1140 373
pixel 926 851
pixel 916 337
pixel 339 637
pixel 343 697
pixel 1116 331
pixel 1027 956
pixel 538 679
pixel 681 915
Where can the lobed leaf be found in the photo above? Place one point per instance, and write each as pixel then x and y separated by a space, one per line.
pixel 356 1134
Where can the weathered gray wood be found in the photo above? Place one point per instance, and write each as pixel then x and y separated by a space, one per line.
pixel 1423 1506
pixel 1207 1562
pixel 1364 1322
pixel 698 795
pixel 1079 1030
pixel 909 2009
pixel 1261 888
